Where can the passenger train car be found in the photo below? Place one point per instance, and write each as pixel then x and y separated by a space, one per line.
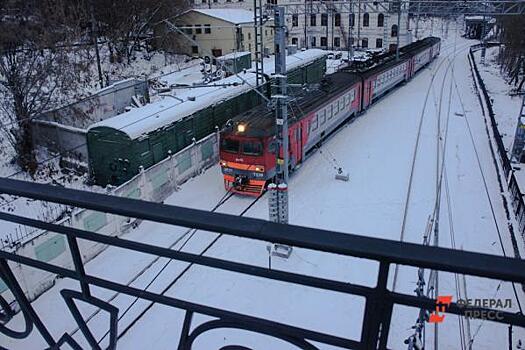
pixel 248 152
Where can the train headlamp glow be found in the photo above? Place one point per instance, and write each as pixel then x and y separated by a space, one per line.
pixel 241 128
pixel 259 169
pixel 223 163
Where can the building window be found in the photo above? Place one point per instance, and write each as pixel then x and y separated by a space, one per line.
pixel 380 20
pixel 337 20
pixel 366 20
pixel 195 49
pixel 295 41
pixel 198 29
pixel 313 20
pixel 364 43
pixel 188 29
pixel 352 19
pixel 379 43
pixel 295 20
pixel 393 32
pixel 351 41
pixel 313 41
pixel 324 41
pixel 265 32
pixel 324 20
pixel 207 29
pixel 337 42
pixel 249 36
pixel 395 5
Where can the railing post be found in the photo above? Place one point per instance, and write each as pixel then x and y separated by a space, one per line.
pixel 378 313
pixel 10 279
pixel 79 265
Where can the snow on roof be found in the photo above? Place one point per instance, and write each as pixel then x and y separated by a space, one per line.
pixel 235 16
pixel 140 121
pixel 233 55
pixel 476 18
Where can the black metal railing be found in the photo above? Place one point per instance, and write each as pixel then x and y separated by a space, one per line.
pixel 379 299
pixel 517 202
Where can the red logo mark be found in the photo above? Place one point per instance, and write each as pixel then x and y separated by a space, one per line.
pixel 442 303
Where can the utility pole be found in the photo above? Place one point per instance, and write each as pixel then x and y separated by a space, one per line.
pixel 358 23
pixel 278 193
pixel 280 98
pixel 398 28
pixel 94 37
pixel 306 12
pixel 258 27
pixel 417 19
pixel 483 42
pixel 350 43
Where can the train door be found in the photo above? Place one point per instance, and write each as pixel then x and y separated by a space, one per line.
pixel 158 154
pixel 292 146
pixel 368 93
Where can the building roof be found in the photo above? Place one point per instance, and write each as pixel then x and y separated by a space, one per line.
pixel 235 16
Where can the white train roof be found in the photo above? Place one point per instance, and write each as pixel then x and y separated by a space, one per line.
pixel 164 112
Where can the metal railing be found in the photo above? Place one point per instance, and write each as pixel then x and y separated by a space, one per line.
pixel 517 202
pixel 379 299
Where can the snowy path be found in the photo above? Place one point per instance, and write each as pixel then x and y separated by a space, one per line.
pixel 377 150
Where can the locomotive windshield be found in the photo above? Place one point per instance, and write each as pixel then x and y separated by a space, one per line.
pixel 252 148
pixel 229 145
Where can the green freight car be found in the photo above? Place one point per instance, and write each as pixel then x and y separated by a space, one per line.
pixel 119 146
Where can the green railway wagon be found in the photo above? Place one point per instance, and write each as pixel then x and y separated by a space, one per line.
pixel 119 146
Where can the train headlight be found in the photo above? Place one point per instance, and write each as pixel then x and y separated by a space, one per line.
pixel 224 163
pixel 241 128
pixel 259 169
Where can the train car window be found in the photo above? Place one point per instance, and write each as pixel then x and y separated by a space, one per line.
pixel 253 148
pixel 313 124
pixel 230 146
pixel 322 117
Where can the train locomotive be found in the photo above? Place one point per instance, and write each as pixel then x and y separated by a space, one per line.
pixel 248 151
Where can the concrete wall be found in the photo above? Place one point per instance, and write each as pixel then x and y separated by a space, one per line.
pixel 104 104
pixel 154 184
pixel 69 141
pixel 63 130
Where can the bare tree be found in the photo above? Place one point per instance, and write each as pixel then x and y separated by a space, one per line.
pixel 128 24
pixel 512 54
pixel 38 65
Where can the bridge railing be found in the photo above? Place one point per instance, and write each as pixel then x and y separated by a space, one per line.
pixel 379 299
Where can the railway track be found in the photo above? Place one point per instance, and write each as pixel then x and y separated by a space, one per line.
pixel 444 59
pixel 188 233
pixel 187 237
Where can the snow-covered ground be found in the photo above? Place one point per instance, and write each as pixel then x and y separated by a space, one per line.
pixel 376 149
